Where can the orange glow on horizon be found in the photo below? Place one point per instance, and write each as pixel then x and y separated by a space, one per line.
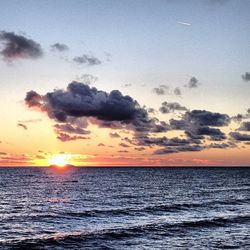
pixel 60 160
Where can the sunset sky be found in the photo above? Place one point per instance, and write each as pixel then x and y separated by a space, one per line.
pixel 97 83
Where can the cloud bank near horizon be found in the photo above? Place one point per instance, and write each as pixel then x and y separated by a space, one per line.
pixel 80 105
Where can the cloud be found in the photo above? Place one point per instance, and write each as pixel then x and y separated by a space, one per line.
pixel 168 107
pixel 123 151
pixel 139 149
pixel 66 137
pixel 112 110
pixel 114 135
pixel 214 133
pixel 196 124
pixel 87 79
pixel 246 77
pixel 69 128
pixel 33 99
pixel 207 118
pixel 240 137
pixel 152 111
pixel 30 121
pixel 127 85
pixel 124 145
pixel 171 150
pixel 101 145
pixel 161 90
pixel 22 126
pixel 177 91
pixel 193 83
pixel 245 126
pixel 60 47
pixel 219 145
pixel 18 47
pixel 87 59
pixel 184 23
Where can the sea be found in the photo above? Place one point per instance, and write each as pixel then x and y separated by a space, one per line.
pixel 125 208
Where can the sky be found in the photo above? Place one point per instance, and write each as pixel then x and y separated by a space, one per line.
pixel 125 83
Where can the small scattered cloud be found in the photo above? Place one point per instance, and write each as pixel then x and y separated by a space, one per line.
pixel 161 90
pixel 246 77
pixel 101 145
pixel 87 79
pixel 127 85
pixel 30 121
pixel 124 145
pixel 66 137
pixel 122 151
pixel 193 83
pixel 59 47
pixel 177 91
pixel 21 125
pixel 139 149
pixel 114 135
pixel 87 60
pixel 184 148
pixel 168 107
pixel 108 56
pixel 18 47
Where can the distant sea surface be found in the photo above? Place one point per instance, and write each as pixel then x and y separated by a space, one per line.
pixel 125 208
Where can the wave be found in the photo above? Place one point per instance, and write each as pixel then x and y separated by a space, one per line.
pixel 124 211
pixel 76 239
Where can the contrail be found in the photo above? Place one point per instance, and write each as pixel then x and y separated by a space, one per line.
pixel 183 23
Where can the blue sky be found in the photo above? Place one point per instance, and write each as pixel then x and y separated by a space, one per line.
pixel 147 44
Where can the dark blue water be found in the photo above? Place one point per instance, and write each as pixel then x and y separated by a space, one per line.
pixel 125 208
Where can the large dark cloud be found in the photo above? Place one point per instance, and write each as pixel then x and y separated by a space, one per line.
pixel 246 77
pixel 112 109
pixel 169 107
pixel 87 60
pixel 60 47
pixel 17 46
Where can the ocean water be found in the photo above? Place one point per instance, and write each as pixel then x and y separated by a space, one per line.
pixel 125 208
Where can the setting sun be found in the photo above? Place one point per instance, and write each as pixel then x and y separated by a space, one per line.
pixel 59 160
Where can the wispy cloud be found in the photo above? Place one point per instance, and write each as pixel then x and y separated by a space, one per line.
pixel 184 23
